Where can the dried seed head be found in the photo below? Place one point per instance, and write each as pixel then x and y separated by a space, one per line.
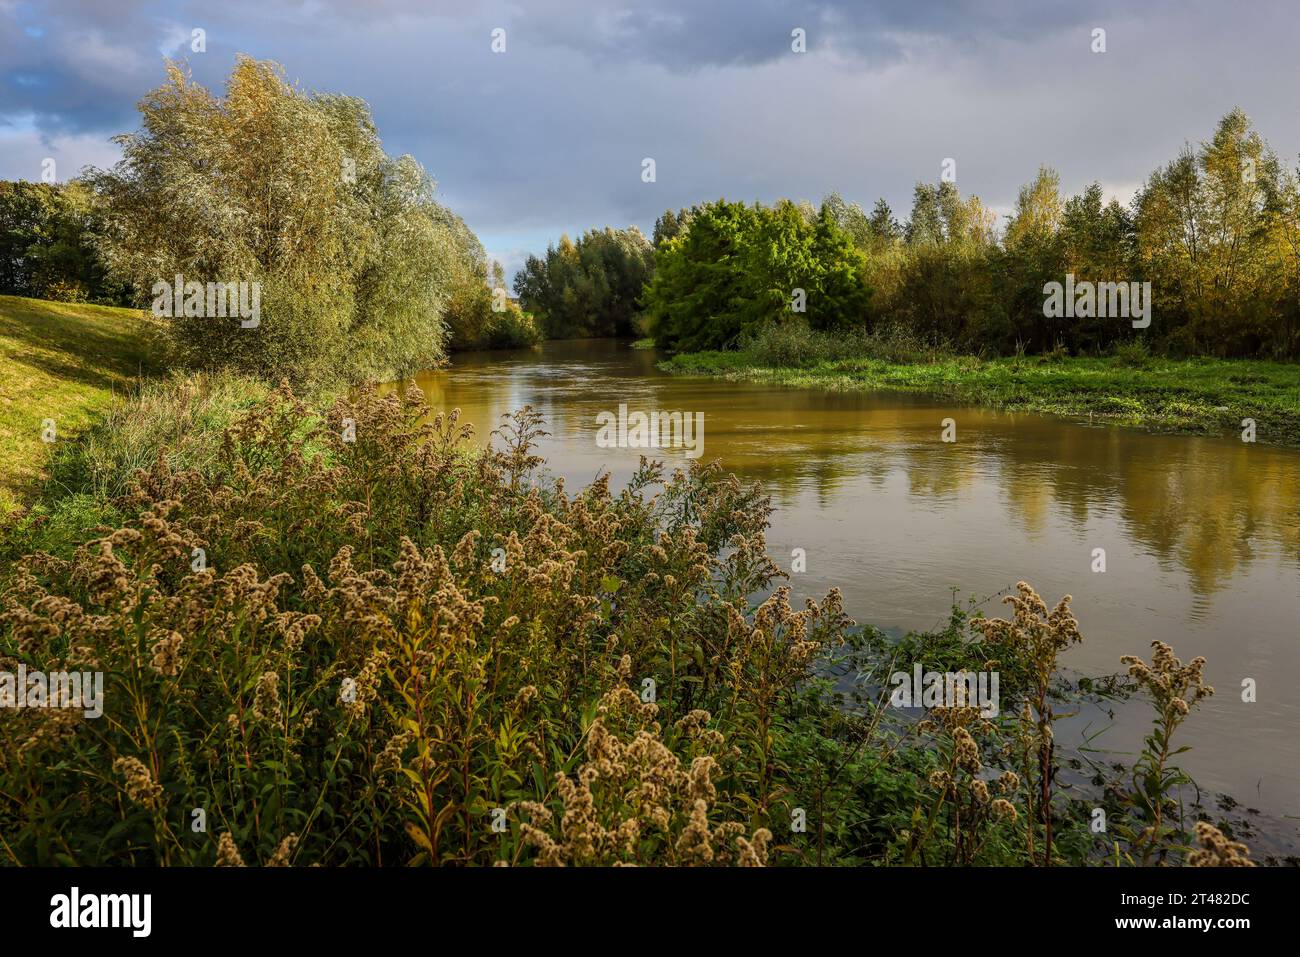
pixel 140 786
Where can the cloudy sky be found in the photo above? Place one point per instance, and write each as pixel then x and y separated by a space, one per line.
pixel 549 136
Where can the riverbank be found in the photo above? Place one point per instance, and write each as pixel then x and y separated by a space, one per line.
pixel 1193 396
pixel 287 517
pixel 60 366
pixel 762 765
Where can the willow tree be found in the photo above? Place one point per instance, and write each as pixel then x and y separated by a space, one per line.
pixel 290 190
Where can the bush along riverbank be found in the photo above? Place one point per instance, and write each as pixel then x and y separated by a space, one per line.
pixel 1258 400
pixel 347 634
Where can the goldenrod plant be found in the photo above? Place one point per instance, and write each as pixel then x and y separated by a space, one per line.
pixel 350 634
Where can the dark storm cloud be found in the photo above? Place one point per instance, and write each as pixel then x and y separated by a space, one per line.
pixel 70 66
pixel 687 34
pixel 549 137
pixel 79 65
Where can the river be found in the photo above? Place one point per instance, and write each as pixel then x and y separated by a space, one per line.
pixel 1201 535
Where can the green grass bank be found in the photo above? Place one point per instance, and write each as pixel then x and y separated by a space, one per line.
pixel 61 362
pixel 1196 396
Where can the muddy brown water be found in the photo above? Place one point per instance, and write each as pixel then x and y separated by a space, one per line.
pixel 1201 535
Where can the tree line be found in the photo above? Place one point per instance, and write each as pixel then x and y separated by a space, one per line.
pixel 364 274
pixel 1216 233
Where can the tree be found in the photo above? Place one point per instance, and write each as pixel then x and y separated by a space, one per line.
pixel 696 297
pixel 670 225
pixel 1096 245
pixel 883 227
pixel 848 218
pixel 1205 239
pixel 925 225
pixel 1038 211
pixel 47 243
pixel 740 267
pixel 478 315
pixel 291 194
pixel 1284 223
pixel 944 290
pixel 1033 257
pixel 591 287
pixel 839 295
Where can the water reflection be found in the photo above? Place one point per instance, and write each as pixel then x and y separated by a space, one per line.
pixel 1210 506
pixel 1202 535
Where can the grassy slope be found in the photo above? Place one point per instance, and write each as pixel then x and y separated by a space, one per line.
pixel 1199 395
pixel 59 361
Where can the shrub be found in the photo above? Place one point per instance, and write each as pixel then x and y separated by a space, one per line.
pixel 1133 353
pixel 332 706
pixel 349 634
pixel 514 328
pixel 793 343
pixel 181 417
